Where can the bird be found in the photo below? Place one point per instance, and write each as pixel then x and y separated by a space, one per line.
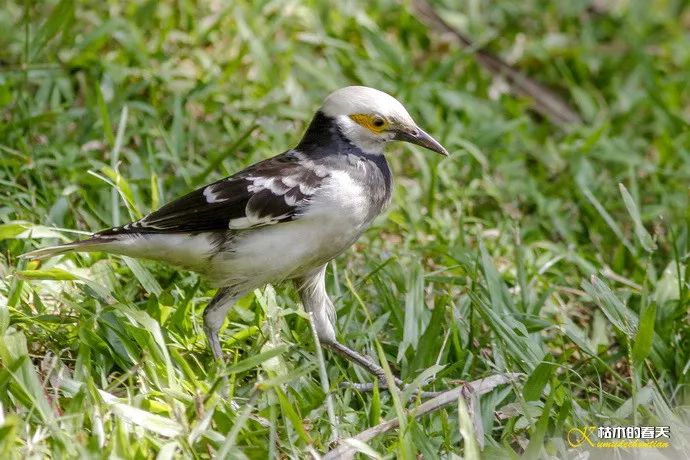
pixel 281 219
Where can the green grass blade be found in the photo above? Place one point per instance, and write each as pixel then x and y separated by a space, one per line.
pixel 643 235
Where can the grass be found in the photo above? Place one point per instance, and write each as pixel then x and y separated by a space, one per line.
pixel 557 253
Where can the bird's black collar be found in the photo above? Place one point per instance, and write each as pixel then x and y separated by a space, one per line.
pixel 324 137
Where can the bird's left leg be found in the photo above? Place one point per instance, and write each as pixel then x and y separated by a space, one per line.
pixel 214 315
pixel 312 291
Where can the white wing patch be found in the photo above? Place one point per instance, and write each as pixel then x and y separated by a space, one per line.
pixel 211 195
pixel 277 185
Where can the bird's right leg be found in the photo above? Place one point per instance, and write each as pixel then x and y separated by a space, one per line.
pixel 214 315
pixel 312 291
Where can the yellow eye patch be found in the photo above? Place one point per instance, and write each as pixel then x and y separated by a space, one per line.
pixel 373 123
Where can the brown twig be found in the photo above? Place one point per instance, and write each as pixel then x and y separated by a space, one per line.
pixel 365 387
pixel 467 390
pixel 546 101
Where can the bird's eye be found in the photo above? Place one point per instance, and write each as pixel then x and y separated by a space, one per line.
pixel 374 123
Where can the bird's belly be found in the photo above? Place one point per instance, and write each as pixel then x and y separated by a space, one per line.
pixel 284 251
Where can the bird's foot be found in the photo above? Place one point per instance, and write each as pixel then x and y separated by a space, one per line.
pixel 377 371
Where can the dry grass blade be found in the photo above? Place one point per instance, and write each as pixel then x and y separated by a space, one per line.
pixel 546 101
pixel 474 388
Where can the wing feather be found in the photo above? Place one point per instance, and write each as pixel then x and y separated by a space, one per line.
pixel 272 191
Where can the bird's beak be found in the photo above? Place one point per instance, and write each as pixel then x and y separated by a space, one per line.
pixel 417 136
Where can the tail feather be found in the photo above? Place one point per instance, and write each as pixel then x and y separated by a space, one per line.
pixel 89 245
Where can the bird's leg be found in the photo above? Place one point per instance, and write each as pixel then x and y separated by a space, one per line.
pixel 361 360
pixel 312 291
pixel 214 315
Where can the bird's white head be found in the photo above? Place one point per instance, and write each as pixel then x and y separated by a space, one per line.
pixel 370 118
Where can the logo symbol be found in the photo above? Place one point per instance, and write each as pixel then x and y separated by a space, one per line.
pixel 578 436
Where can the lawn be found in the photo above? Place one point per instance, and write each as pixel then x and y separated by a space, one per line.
pixel 552 249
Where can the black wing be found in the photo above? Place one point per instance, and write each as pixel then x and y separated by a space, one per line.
pixel 271 191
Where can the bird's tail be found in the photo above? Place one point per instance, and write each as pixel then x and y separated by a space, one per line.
pixel 89 245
